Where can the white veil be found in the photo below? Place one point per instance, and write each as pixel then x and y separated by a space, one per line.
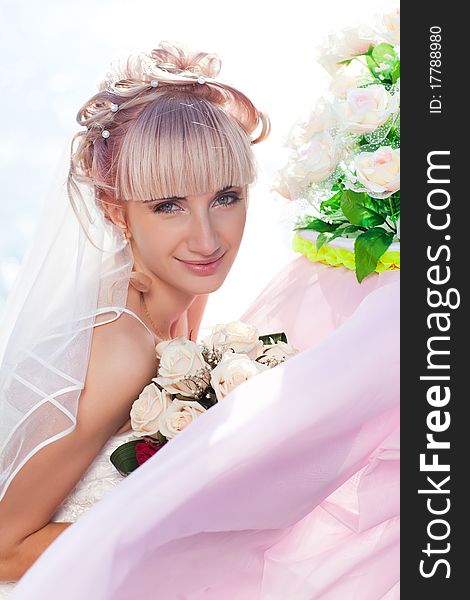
pixel 75 273
pixel 78 268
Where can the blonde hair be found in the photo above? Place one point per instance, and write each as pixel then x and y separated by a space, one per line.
pixel 173 130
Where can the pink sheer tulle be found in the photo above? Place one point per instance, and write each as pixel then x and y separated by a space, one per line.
pixel 288 489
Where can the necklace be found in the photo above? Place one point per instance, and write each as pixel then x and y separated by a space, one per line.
pixel 150 318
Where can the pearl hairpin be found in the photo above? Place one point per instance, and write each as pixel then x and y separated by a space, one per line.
pixel 154 83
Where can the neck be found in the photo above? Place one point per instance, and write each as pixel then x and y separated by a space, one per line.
pixel 165 306
pixel 164 303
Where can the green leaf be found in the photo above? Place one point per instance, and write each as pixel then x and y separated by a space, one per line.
pixel 123 458
pixel 325 238
pixel 372 64
pixel 319 225
pixel 360 209
pixel 368 248
pixel 159 437
pixel 382 52
pixel 392 206
pixel 332 204
pixel 393 136
pixel 272 338
pixel 396 71
pixel 208 402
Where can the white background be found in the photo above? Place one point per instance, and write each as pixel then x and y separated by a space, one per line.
pixel 53 54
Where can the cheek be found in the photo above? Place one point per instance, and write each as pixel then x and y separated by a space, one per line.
pixel 232 226
pixel 154 242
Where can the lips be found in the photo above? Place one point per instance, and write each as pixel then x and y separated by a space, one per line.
pixel 201 262
pixel 207 268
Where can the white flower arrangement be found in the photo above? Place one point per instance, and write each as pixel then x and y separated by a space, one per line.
pixel 193 377
pixel 345 158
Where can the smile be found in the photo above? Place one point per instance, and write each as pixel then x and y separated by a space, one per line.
pixel 203 268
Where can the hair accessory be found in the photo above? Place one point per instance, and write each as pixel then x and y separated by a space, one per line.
pixel 105 133
pixel 201 79
pixel 114 107
pixel 154 83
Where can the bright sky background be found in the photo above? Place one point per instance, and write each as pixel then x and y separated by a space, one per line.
pixel 54 52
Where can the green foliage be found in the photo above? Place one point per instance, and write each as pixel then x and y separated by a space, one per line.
pixel 360 209
pixel 273 338
pixel 331 205
pixel 342 230
pixel 384 54
pixel 318 225
pixel 123 458
pixel 368 248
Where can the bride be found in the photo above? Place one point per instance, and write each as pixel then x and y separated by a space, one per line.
pixel 158 188
pixel 286 489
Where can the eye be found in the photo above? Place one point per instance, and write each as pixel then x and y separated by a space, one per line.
pixel 163 207
pixel 233 199
pixel 225 200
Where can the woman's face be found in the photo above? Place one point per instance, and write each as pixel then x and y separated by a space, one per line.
pixel 167 232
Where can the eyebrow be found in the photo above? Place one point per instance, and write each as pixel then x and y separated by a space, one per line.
pixel 228 187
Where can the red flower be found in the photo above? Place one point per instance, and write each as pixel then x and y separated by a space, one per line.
pixel 145 449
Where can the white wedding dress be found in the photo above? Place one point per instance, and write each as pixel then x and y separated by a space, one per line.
pixel 99 479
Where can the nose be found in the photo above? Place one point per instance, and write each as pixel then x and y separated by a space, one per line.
pixel 203 239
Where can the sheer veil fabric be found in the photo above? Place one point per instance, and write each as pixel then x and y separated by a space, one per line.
pixel 74 277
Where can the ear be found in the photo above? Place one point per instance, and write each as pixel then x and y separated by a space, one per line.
pixel 115 212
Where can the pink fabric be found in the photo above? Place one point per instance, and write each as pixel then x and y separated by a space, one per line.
pixel 286 489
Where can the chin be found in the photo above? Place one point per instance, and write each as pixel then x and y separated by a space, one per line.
pixel 206 286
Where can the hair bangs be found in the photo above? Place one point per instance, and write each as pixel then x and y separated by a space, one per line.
pixel 181 145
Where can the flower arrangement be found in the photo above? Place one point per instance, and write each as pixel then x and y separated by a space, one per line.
pixel 192 378
pixel 344 160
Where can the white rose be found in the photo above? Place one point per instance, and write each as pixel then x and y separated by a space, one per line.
pixel 147 409
pixel 349 76
pixel 286 185
pixel 280 351
pixel 232 370
pixel 348 43
pixel 366 108
pixel 179 414
pixel 179 359
pixel 316 160
pixel 236 335
pixel 392 27
pixel 321 118
pixel 379 171
pixel 290 182
pixel 291 140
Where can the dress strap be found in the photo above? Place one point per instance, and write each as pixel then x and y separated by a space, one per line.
pixel 119 310
pixel 130 312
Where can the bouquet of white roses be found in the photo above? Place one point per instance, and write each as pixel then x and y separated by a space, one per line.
pixel 191 378
pixel 345 158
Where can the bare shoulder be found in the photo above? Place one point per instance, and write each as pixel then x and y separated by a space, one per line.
pixel 122 362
